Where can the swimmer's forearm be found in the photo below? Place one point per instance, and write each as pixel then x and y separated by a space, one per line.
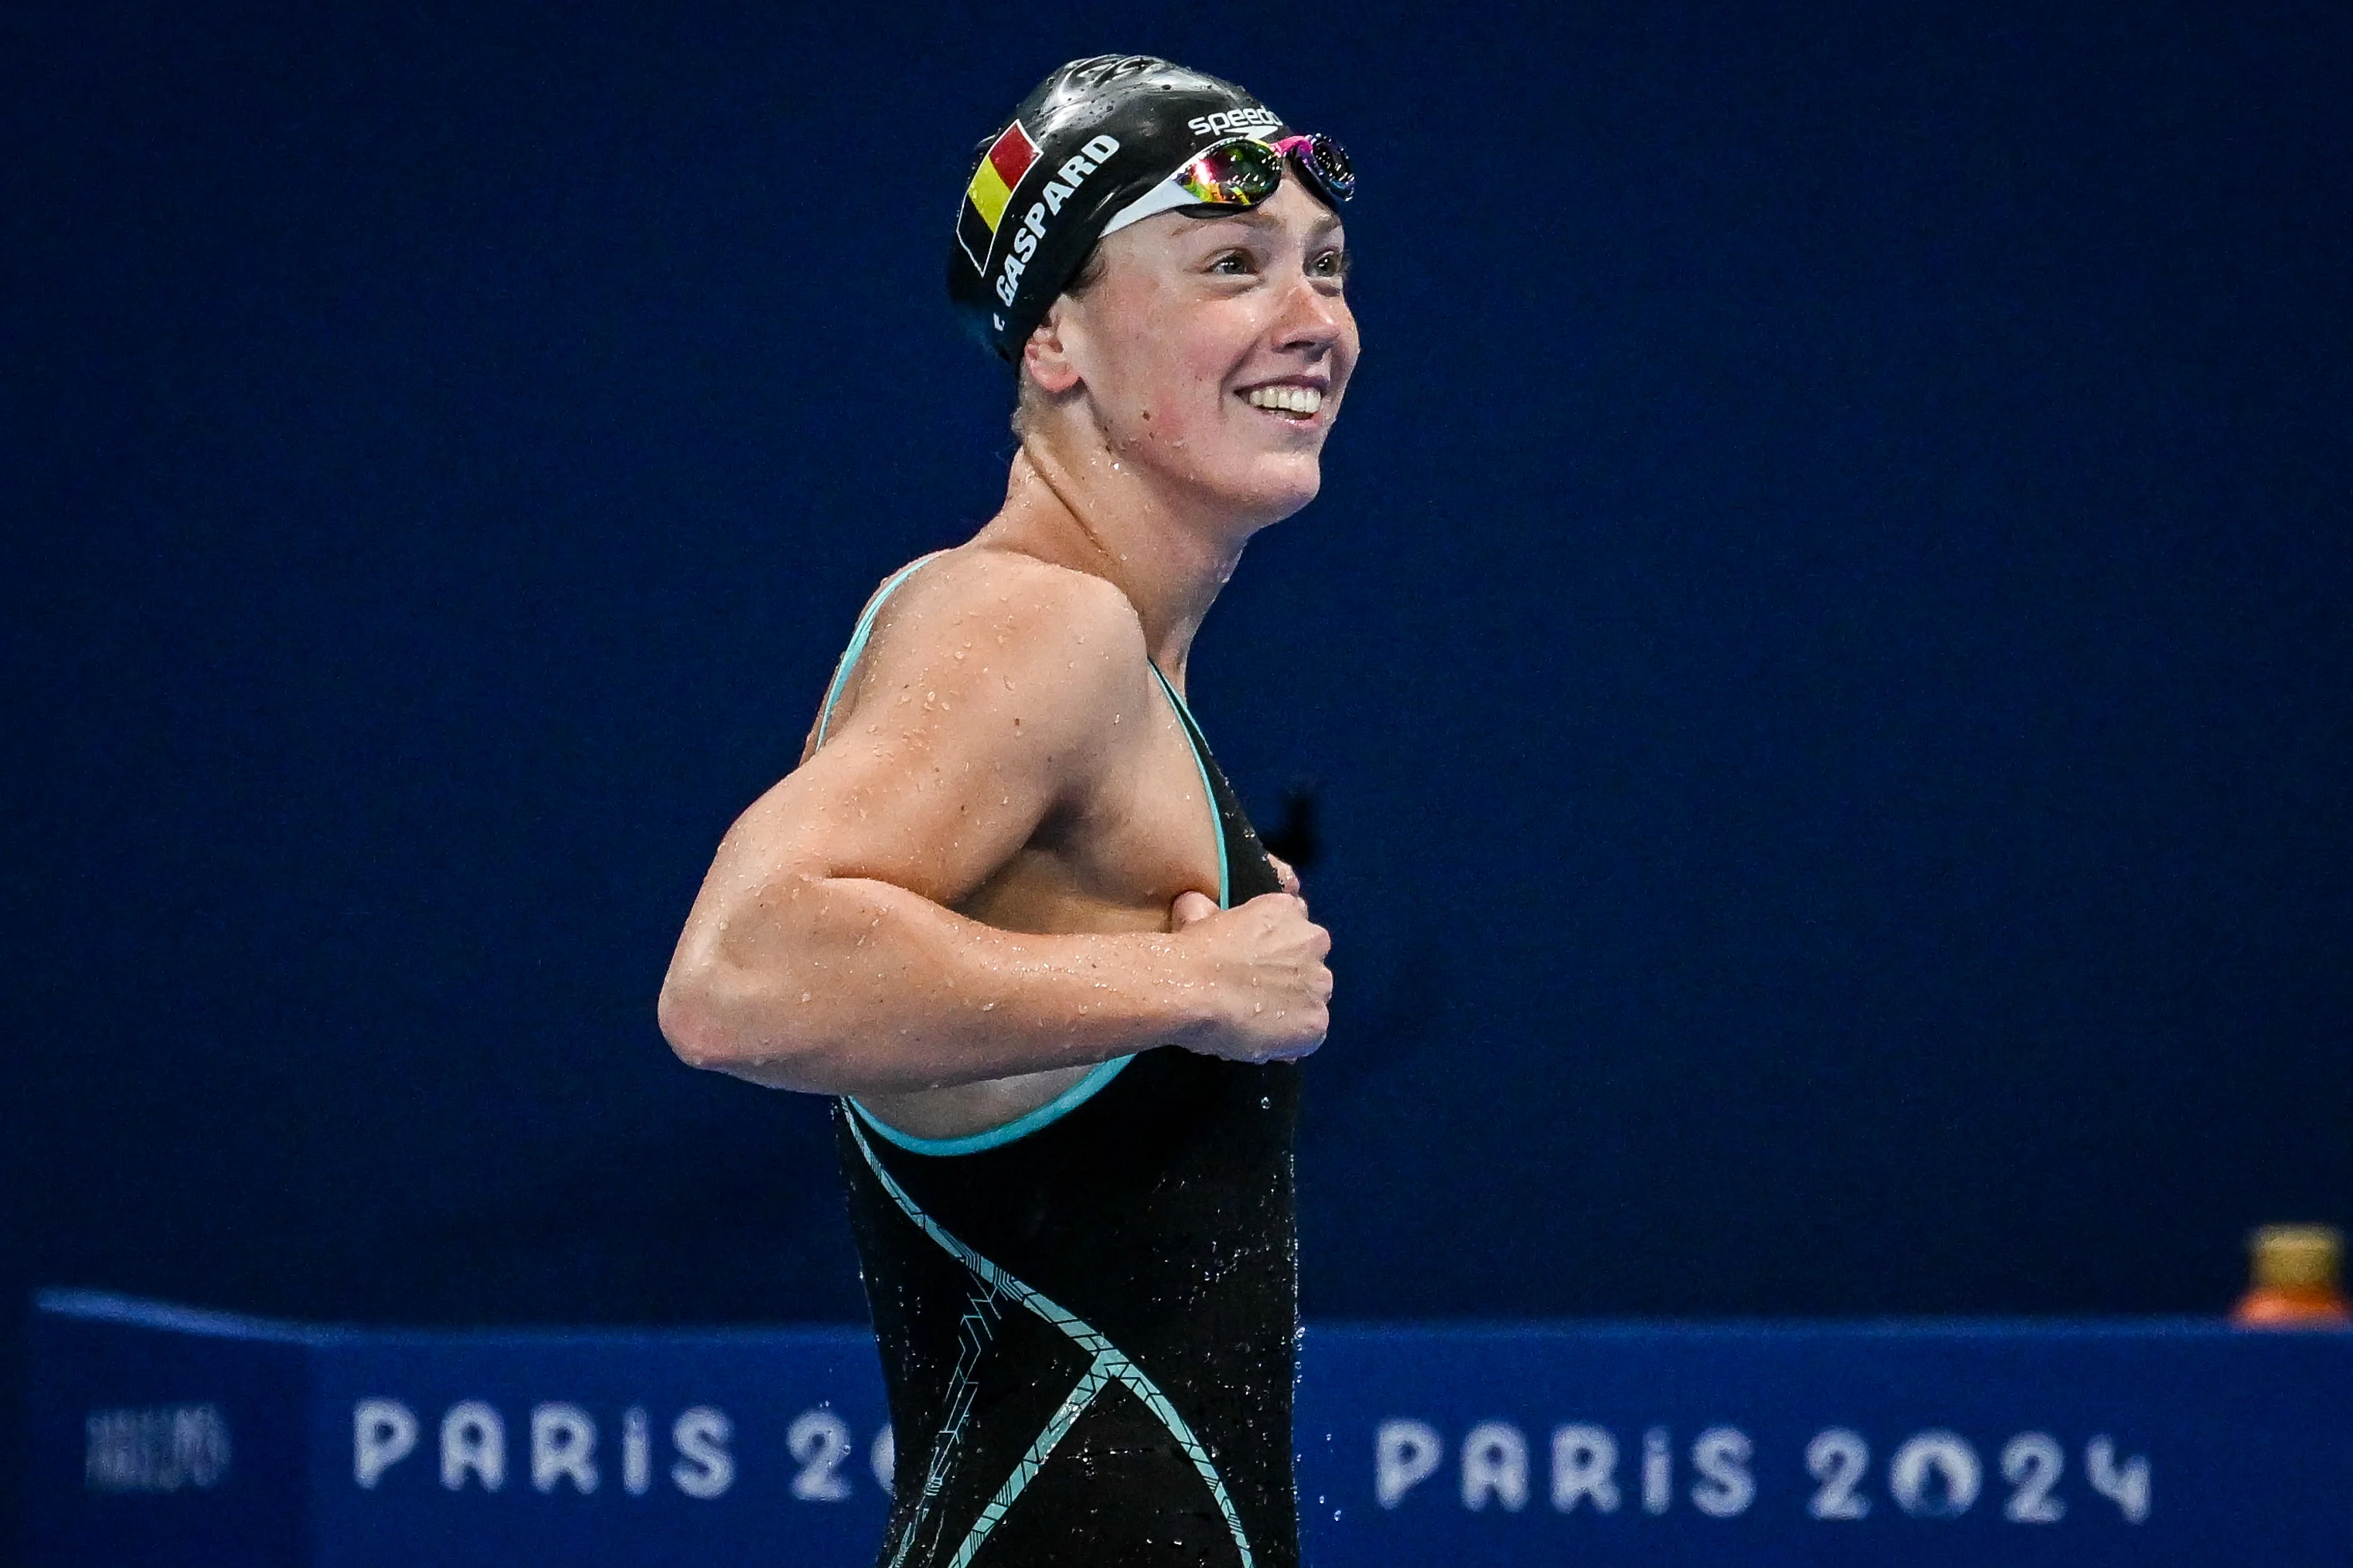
pixel 845 985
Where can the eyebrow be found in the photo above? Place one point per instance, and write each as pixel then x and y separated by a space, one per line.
pixel 1258 218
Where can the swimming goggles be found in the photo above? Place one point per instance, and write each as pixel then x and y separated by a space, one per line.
pixel 1241 172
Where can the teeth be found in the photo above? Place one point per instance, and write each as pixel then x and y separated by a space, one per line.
pixel 1286 399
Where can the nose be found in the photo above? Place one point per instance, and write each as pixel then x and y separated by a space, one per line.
pixel 1311 320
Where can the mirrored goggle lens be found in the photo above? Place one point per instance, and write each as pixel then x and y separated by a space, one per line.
pixel 1240 173
pixel 1328 162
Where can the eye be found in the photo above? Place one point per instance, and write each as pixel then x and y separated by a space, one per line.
pixel 1332 264
pixel 1233 264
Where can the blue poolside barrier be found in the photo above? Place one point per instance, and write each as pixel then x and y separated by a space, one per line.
pixel 166 1436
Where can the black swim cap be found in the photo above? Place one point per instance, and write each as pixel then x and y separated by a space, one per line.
pixel 1090 139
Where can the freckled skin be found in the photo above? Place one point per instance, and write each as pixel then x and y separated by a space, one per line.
pixel 1000 869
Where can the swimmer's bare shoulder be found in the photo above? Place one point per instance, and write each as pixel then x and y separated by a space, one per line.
pixel 825 952
pixel 1033 650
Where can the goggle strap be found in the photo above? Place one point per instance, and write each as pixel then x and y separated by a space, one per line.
pixel 1166 196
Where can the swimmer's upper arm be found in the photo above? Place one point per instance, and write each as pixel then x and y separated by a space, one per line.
pixel 983 702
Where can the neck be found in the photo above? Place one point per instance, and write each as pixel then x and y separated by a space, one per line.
pixel 1097 513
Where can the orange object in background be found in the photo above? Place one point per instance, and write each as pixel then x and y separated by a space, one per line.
pixel 2296 1270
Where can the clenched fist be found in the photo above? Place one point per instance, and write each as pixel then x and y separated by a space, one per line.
pixel 1269 992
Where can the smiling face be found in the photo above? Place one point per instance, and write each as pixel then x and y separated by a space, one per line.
pixel 1211 352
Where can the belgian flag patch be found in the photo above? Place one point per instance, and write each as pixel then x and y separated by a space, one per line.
pixel 1007 159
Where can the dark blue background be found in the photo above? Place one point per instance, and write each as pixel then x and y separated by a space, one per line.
pixel 1825 639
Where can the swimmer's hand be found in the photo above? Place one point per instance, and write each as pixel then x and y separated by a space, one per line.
pixel 1286 876
pixel 1269 992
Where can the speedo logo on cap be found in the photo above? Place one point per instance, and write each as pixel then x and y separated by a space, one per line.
pixel 1229 122
pixel 990 195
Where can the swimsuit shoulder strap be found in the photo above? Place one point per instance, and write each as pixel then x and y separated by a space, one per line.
pixel 857 641
pixel 1209 791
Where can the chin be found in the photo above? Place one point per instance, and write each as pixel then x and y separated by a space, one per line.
pixel 1274 488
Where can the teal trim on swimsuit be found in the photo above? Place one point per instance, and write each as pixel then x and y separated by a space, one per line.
pixel 858 642
pixel 1021 1126
pixel 1216 821
pixel 1108 1365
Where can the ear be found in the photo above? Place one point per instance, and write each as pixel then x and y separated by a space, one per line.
pixel 1047 357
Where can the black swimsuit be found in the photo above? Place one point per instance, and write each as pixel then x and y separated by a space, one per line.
pixel 1088 1316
